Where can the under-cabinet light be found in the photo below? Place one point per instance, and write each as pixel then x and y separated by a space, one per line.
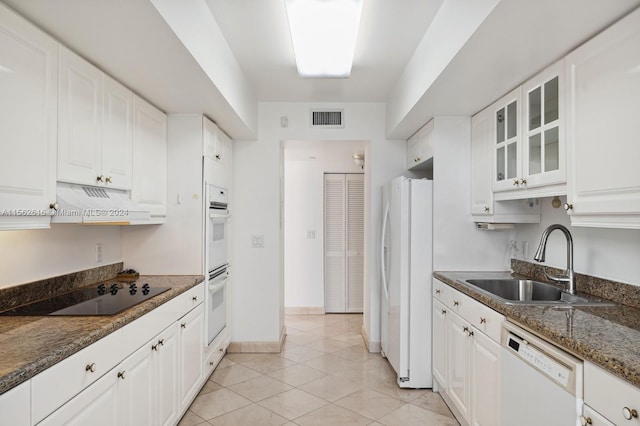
pixel 324 35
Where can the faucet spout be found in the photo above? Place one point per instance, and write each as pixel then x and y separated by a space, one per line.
pixel 569 277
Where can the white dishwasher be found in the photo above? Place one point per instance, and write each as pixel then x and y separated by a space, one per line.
pixel 540 383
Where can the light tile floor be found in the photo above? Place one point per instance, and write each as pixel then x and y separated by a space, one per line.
pixel 324 376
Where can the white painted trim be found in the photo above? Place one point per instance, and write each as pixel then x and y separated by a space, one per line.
pixel 304 310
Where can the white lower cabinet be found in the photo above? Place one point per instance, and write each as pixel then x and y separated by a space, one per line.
pixel 15 405
pixel 191 354
pixel 466 357
pixel 608 399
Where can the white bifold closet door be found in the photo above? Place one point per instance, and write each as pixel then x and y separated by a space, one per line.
pixel 343 242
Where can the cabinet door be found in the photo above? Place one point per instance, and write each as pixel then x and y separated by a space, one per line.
pixel 137 387
pixel 98 405
pixel 149 157
pixel 166 371
pixel 15 405
pixel 544 148
pixel 603 129
pixel 28 122
pixel 80 120
pixel 413 151
pixel 507 149
pixel 117 135
pixel 191 354
pixel 440 343
pixel 485 383
pixel 458 354
pixel 481 191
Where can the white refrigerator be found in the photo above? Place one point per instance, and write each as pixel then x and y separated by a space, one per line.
pixel 407 266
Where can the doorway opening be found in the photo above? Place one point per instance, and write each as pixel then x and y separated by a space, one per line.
pixel 305 165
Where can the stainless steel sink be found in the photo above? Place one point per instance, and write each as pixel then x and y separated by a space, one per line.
pixel 528 292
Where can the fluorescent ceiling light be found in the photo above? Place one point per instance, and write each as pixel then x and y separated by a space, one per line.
pixel 324 34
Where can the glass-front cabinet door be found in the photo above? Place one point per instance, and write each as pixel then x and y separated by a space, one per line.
pixel 507 151
pixel 543 136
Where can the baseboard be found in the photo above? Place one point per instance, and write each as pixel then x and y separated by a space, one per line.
pixel 373 347
pixel 258 347
pixel 304 310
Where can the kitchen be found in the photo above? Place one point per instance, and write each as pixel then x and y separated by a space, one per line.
pixel 256 312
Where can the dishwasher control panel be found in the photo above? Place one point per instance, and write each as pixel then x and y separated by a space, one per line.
pixel 553 368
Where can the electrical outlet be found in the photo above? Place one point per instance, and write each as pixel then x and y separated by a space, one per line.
pixel 257 241
pixel 98 252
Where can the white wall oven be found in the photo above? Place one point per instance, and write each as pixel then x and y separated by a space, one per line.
pixel 217 260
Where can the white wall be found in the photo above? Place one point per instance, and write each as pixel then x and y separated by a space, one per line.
pixel 303 211
pixel 257 296
pixel 27 256
pixel 458 245
pixel 601 252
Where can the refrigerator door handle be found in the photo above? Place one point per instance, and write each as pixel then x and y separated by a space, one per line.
pixel 382 253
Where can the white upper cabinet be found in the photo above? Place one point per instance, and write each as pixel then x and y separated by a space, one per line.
pixel 150 146
pixel 28 123
pixel 117 135
pixel 603 128
pixel 420 147
pixel 80 118
pixel 483 206
pixel 529 153
pixel 543 136
pixel 217 146
pixel 95 133
pixel 507 141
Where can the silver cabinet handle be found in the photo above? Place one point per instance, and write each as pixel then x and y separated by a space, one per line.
pixel 108 179
pixel 100 178
pixel 91 367
pixel 629 413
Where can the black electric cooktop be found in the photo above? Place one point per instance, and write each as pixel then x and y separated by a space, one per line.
pixel 103 299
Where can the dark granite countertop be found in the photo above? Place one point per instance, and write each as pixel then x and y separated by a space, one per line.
pixel 29 345
pixel 606 336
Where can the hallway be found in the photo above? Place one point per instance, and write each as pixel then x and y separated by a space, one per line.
pixel 324 376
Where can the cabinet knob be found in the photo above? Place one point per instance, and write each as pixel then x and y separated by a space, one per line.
pixel 161 342
pixel 54 206
pixel 456 303
pixel 100 178
pixel 183 325
pixel 629 413
pixel 444 312
pixel 154 347
pixel 211 363
pixel 483 320
pixel 418 160
pixel 486 209
pixel 469 333
pixel 218 156
pixel 194 298
pixel 437 291
pixel 523 181
pixel 221 350
pixel 91 367
pixel 585 420
pixel 122 375
pixel 108 179
pixel 465 329
pixel 568 206
pixel 516 182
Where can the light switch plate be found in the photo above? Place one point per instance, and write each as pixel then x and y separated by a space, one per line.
pixel 257 241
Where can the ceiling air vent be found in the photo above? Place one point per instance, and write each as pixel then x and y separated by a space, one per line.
pixel 327 119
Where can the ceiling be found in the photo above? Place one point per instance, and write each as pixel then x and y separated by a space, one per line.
pixel 258 34
pixel 133 43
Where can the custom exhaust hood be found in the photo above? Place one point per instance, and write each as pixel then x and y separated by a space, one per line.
pixel 93 205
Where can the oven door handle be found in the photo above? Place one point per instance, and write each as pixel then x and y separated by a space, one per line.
pixel 214 288
pixel 219 215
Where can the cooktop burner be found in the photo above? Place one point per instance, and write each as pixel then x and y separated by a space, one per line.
pixel 105 299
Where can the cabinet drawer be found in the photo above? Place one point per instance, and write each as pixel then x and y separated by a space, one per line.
pixel 609 395
pixel 15 405
pixel 486 320
pixel 593 418
pixel 58 384
pixel 441 291
pixel 152 323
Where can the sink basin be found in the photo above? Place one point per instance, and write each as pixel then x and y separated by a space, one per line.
pixel 528 292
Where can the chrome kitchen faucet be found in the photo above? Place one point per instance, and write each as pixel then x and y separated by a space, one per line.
pixel 569 277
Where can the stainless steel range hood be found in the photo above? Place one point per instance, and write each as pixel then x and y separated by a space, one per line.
pixel 93 205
